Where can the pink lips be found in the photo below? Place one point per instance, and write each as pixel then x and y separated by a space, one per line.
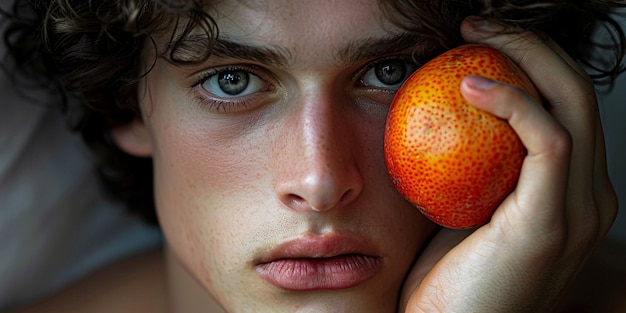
pixel 319 263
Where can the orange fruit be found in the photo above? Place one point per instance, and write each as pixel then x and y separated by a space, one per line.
pixel 454 162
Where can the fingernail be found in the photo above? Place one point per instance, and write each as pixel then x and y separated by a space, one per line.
pixel 484 25
pixel 479 82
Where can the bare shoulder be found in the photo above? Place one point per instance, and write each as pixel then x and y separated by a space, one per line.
pixel 601 286
pixel 135 284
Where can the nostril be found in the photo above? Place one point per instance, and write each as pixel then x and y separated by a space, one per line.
pixel 318 202
pixel 295 202
pixel 299 203
pixel 348 196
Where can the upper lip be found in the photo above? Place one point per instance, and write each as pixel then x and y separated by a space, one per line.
pixel 319 246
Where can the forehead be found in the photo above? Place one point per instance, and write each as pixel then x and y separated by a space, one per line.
pixel 306 29
pixel 295 15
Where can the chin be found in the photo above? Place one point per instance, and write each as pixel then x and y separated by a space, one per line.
pixel 361 299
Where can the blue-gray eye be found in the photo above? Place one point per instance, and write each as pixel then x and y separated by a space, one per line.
pixel 234 83
pixel 390 73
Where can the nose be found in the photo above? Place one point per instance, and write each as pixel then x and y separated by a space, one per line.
pixel 317 165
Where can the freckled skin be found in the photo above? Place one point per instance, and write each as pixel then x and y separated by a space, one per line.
pixel 454 162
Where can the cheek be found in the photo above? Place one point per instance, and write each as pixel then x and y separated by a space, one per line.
pixel 207 192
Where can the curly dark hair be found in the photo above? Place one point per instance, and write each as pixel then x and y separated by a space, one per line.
pixel 90 50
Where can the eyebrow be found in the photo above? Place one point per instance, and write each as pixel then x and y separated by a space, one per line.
pixel 375 47
pixel 279 56
pixel 274 55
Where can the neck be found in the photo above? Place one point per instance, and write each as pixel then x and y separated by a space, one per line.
pixel 185 294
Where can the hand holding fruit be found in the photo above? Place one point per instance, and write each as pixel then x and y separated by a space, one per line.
pixel 540 236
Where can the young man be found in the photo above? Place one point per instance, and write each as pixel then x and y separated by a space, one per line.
pixel 263 122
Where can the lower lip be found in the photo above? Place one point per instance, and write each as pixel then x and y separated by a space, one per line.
pixel 304 274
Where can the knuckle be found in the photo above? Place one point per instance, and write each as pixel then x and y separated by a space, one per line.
pixel 514 93
pixel 560 142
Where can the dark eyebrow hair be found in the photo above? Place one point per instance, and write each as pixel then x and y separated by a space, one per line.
pixel 279 56
pixel 273 55
pixel 375 47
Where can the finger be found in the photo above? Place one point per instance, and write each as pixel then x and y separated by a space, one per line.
pixel 571 97
pixel 539 197
pixel 560 80
pixel 573 64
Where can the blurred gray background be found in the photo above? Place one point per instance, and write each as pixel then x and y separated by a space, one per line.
pixel 613 112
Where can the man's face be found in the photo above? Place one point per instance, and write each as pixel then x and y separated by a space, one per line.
pixel 271 186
